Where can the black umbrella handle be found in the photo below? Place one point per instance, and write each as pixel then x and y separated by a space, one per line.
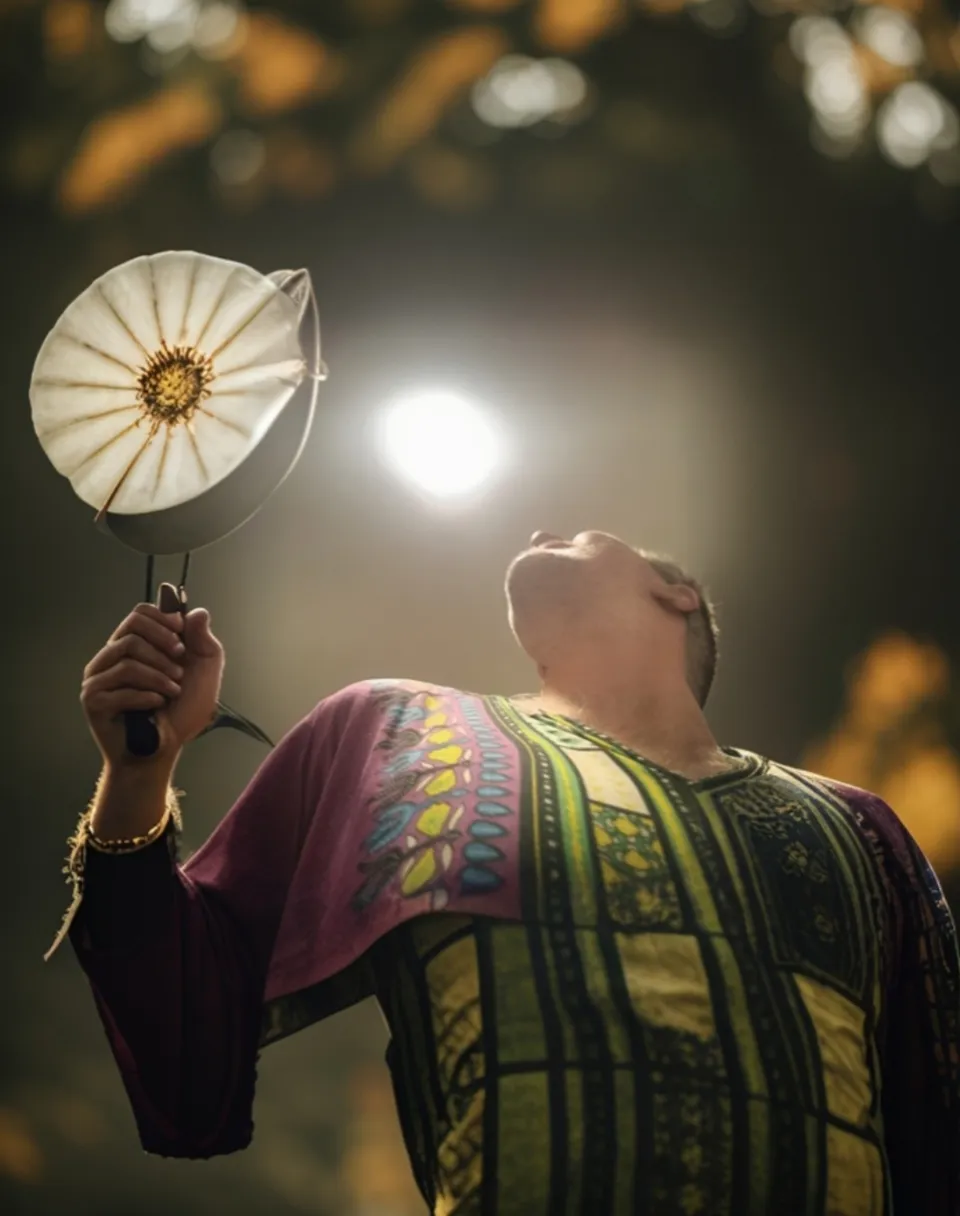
pixel 143 737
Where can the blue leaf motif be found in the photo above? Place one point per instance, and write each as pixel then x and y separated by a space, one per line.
pixel 485 827
pixel 492 808
pixel 474 879
pixel 476 850
pixel 390 823
pixel 403 760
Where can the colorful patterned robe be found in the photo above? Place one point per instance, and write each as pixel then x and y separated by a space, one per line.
pixel 610 990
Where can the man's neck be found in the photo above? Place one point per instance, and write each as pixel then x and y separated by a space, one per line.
pixel 665 726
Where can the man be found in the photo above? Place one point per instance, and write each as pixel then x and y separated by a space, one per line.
pixel 625 970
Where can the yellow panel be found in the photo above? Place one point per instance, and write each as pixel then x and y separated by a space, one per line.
pixel 606 782
pixel 843 1049
pixel 523 1146
pixel 854 1176
pixel 623 1180
pixel 460 1162
pixel 571 1048
pixel 667 981
pixel 430 930
pixel 453 982
pixel 597 980
pixel 520 1034
pixel 573 1199
pixel 742 1025
pixel 758 1130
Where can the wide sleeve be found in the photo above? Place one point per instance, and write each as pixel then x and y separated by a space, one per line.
pixel 920 1051
pixel 178 967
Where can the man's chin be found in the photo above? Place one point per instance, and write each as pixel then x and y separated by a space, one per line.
pixel 536 574
pixel 528 559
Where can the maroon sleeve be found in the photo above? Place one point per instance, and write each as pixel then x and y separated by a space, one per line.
pixel 178 964
pixel 921 1059
pixel 920 1048
pixel 179 996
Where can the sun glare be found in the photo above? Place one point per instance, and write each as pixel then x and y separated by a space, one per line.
pixel 440 442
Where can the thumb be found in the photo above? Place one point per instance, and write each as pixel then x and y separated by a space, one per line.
pixel 198 636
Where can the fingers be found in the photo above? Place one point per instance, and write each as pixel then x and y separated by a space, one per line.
pixel 133 646
pixel 130 673
pixel 161 629
pixel 198 636
pixel 111 702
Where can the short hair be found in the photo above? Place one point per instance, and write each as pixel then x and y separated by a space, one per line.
pixel 703 632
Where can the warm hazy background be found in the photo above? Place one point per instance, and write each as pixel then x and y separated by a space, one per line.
pixel 708 282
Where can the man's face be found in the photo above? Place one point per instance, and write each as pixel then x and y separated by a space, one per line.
pixel 559 585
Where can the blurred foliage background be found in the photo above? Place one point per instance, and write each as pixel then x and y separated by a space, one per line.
pixel 701 261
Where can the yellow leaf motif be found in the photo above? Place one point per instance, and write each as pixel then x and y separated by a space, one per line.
pixel 439 719
pixel 610 876
pixel 440 736
pixel 420 874
pixel 626 826
pixel 446 755
pixel 635 860
pixel 431 702
pixel 440 784
pixel 649 902
pixel 433 819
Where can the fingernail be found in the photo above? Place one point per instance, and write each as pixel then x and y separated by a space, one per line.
pixel 168 601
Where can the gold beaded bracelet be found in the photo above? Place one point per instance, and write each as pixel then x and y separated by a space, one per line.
pixel 131 844
pixel 77 848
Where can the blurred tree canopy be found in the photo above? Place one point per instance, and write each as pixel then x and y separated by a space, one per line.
pixel 569 103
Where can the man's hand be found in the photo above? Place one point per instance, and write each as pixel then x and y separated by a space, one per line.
pixel 163 662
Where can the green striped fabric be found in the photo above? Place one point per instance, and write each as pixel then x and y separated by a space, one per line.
pixel 686 1022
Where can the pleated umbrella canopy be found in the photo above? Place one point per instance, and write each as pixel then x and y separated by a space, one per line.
pixel 176 393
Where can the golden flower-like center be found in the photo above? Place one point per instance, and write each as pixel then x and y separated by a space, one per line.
pixel 173 383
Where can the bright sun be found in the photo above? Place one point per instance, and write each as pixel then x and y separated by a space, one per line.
pixel 440 442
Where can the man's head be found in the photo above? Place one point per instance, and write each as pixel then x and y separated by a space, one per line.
pixel 596 600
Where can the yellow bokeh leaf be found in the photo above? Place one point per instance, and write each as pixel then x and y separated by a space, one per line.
pixel 69 28
pixel 282 66
pixel 435 77
pixel 20 1154
pixel 117 149
pixel 885 741
pixel 569 26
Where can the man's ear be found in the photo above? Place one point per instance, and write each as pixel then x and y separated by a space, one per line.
pixel 678 597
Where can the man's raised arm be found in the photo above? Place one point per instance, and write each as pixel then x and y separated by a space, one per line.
pixel 178 982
